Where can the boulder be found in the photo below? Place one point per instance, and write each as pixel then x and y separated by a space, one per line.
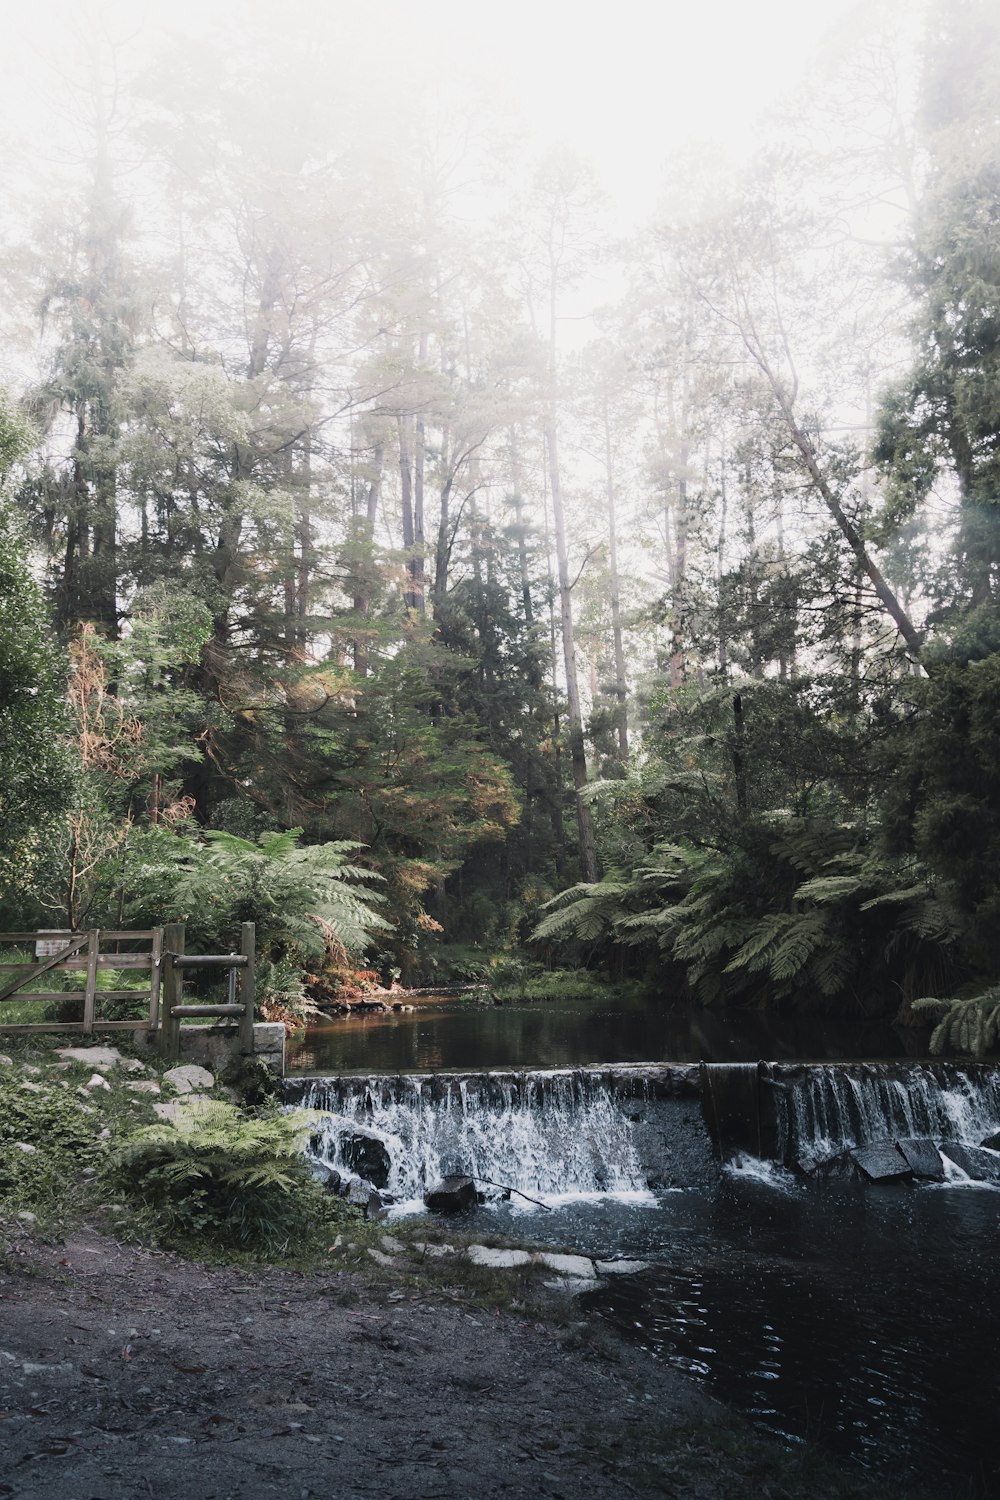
pixel 992 1142
pixel 621 1267
pixel 95 1057
pixel 923 1157
pixel 883 1163
pixel 367 1154
pixel 580 1267
pixel 362 1195
pixel 452 1195
pixel 979 1164
pixel 498 1260
pixel 189 1079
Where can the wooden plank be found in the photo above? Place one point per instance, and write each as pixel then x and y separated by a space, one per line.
pixel 72 1027
pixel 89 999
pixel 172 990
pixel 248 983
pixel 35 971
pixel 144 935
pixel 104 961
pixel 156 958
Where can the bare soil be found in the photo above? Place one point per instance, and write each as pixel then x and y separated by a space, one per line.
pixel 126 1372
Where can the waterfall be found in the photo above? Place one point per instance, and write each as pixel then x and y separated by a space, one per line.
pixel 545 1134
pixel 822 1110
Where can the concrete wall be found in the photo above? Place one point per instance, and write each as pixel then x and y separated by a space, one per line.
pixel 215 1047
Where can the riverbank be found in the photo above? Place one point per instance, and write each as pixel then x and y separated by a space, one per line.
pixel 128 1372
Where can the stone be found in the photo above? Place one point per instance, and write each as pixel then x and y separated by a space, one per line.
pixel 189 1079
pixel 5 1061
pixel 96 1081
pixel 32 1088
pixel 26 1147
pixel 621 1267
pixel 144 1086
pixel 362 1195
pixel 979 1164
pixel 922 1157
pixel 992 1142
pixel 391 1245
pixel 424 1247
pixel 132 1065
pixel 381 1259
pixel 95 1057
pixel 167 1111
pixel 498 1260
pixel 580 1266
pixel 882 1163
pixel 26 1217
pixel 452 1195
pixel 367 1154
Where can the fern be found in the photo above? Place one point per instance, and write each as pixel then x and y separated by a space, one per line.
pixel 218 1176
pixel 970 1024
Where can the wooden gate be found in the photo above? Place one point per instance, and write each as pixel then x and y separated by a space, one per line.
pixel 81 952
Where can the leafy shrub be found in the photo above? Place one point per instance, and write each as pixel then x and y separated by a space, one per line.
pixel 53 1123
pixel 218 1178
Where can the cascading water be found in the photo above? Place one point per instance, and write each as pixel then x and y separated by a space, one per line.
pixel 544 1134
pixel 823 1110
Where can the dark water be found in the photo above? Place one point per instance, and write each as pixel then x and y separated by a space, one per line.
pixel 864 1319
pixel 461 1034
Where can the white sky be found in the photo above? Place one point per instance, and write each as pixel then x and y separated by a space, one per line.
pixel 622 81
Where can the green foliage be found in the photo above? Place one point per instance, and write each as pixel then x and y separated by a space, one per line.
pixel 235 1183
pixel 34 769
pixel 59 1134
pixel 970 1024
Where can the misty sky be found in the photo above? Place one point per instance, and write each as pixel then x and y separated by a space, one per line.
pixel 625 83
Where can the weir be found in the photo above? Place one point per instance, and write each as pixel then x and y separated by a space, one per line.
pixel 627 1130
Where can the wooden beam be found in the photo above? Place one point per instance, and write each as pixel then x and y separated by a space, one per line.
pixel 248 987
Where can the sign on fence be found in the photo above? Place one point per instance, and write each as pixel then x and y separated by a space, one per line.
pixel 50 941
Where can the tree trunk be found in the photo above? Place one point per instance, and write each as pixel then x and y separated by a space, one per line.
pixel 621 686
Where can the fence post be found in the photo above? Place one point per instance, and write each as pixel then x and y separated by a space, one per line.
pixel 155 976
pixel 90 993
pixel 248 982
pixel 171 987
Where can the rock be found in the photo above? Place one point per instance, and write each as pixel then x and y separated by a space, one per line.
pixel 452 1195
pixel 96 1081
pixel 992 1142
pixel 434 1251
pixel 367 1154
pixel 621 1267
pixel 498 1260
pixel 381 1259
pixel 979 1164
pixel 391 1245
pixel 146 1086
pixel 580 1266
pixel 133 1065
pixel 189 1079
pixel 26 1147
pixel 32 1088
pixel 167 1111
pixel 26 1217
pixel 363 1195
pixel 5 1061
pixel 883 1163
pixel 922 1157
pixel 95 1057
pixel 31 1070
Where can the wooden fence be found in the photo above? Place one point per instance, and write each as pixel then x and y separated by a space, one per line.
pixel 160 950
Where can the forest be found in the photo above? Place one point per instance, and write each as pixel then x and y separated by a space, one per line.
pixel 399 553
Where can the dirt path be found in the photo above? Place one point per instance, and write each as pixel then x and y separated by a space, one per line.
pixel 129 1373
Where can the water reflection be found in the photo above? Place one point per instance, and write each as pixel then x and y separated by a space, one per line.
pixel 467 1035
